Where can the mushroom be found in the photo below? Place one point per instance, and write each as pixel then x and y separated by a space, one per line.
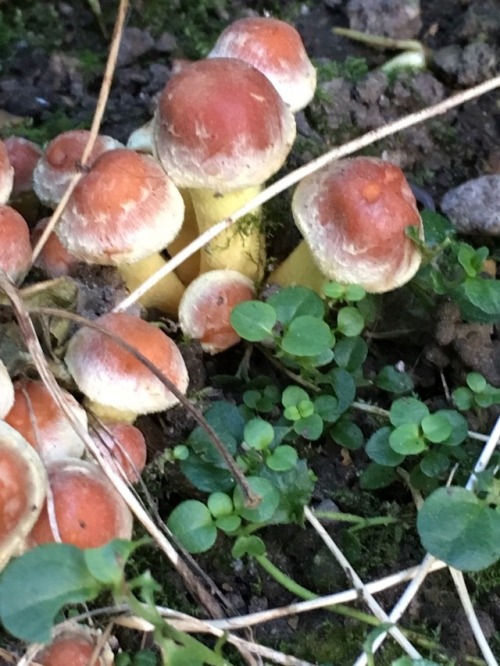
pixel 61 161
pixel 54 259
pixel 74 646
pixel 15 247
pixel 6 390
pixel 23 156
pixel 118 385
pixel 206 306
pixel 82 508
pixel 221 129
pixel 353 215
pixel 123 212
pixel 38 418
pixel 127 445
pixel 276 49
pixel 6 174
pixel 23 483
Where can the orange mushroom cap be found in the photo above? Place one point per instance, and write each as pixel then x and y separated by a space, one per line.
pixel 110 375
pixel 71 647
pixel 353 215
pixel 61 161
pixel 206 306
pixel 38 418
pixel 220 124
pixel 127 445
pixel 54 259
pixel 15 247
pixel 87 510
pixel 276 49
pixel 6 390
pixel 23 155
pixel 124 209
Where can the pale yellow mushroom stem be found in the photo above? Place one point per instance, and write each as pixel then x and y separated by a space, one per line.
pixel 242 247
pixel 189 269
pixel 299 268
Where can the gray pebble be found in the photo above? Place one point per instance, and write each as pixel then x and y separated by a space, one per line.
pixel 474 206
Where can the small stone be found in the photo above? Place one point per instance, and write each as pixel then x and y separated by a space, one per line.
pixel 392 18
pixel 135 43
pixel 474 206
pixel 166 43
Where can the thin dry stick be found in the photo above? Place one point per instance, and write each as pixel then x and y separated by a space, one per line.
pixel 297 175
pixel 103 457
pixel 429 560
pixel 371 602
pixel 94 129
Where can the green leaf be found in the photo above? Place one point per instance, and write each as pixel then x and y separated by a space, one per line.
pixel 433 464
pixel 295 487
pixel 471 259
pixel 327 408
pixel 292 395
pixel 253 320
pixel 479 299
pixel 37 585
pixel 206 476
pixel 436 428
pixel 406 439
pixel 307 336
pixel 248 545
pixel 344 387
pixel 193 525
pixel 379 449
pixel 292 302
pixel 334 290
pixel 476 382
pixel 228 423
pixel 258 434
pixel 392 380
pixel 219 504
pixel 354 293
pixel 376 476
pixel 408 661
pixel 350 353
pixel 459 427
pixel 268 504
pixel 407 410
pixel 106 563
pixel 458 528
pixel 436 228
pixel 463 398
pixel 228 524
pixel 347 434
pixel 350 321
pixel 310 427
pixel 282 458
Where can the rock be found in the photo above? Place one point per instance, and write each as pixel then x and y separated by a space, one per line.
pixel 393 18
pixel 474 206
pixel 135 43
pixel 468 66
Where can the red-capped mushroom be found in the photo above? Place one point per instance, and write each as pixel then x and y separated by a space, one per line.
pixel 6 174
pixel 82 507
pixel 15 247
pixel 23 155
pixel 118 385
pixel 276 49
pixel 74 646
pixel 23 484
pixel 206 306
pixel 127 445
pixel 61 161
pixel 353 215
pixel 43 424
pixel 221 129
pixel 54 259
pixel 123 212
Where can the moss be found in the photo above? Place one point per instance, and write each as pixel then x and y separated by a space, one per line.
pixel 36 23
pixel 50 127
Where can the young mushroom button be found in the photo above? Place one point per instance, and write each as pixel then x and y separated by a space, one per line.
pixel 353 215
pixel 118 385
pixel 276 49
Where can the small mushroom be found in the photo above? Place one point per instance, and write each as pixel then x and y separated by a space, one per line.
pixel 38 418
pixel 276 49
pixel 6 390
pixel 127 445
pixel 206 306
pixel 15 246
pixel 353 215
pixel 82 507
pixel 74 646
pixel 118 385
pixel 6 174
pixel 23 483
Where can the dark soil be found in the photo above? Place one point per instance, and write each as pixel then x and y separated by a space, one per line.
pixel 52 59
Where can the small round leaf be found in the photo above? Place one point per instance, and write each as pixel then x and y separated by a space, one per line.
pixel 307 336
pixel 192 523
pixel 253 320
